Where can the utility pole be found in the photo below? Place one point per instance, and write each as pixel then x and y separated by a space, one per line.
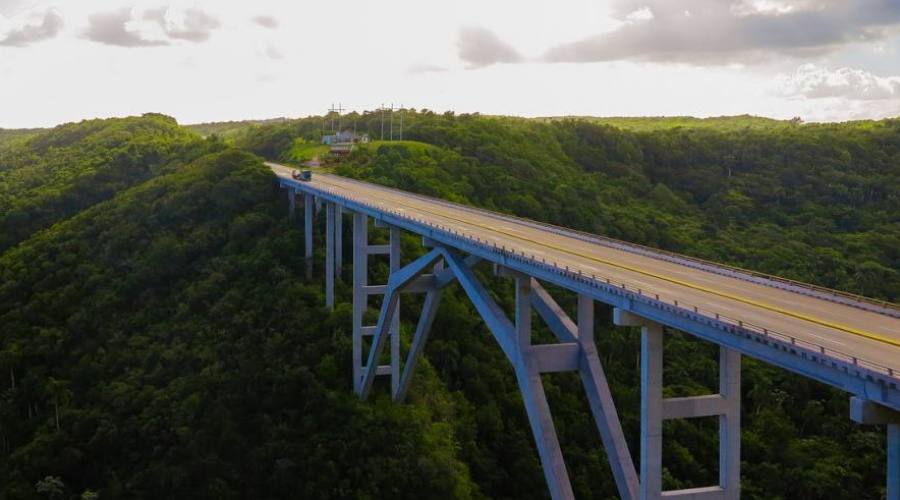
pixel 337 110
pixel 401 122
pixel 382 120
pixel 392 121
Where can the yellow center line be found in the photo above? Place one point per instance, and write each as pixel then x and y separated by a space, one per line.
pixel 676 281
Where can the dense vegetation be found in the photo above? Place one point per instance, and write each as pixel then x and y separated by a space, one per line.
pixel 51 176
pixel 159 339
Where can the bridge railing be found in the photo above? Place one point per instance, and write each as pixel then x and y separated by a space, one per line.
pixel 693 311
pixel 847 298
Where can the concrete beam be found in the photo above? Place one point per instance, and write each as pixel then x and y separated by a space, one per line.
pixel 863 411
pixel 553 358
pixel 378 249
pixel 695 406
pixel 704 493
pixel 622 317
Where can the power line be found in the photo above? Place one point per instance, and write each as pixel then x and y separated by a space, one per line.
pixel 339 109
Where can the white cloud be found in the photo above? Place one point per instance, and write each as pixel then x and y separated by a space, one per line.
pixel 190 24
pixel 751 7
pixel 480 47
pixel 642 14
pixel 728 31
pixel 423 68
pixel 134 27
pixel 30 27
pixel 269 22
pixel 122 28
pixel 810 81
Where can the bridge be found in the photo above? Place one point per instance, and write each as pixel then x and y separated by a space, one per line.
pixel 846 341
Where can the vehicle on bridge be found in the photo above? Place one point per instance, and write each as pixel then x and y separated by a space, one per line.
pixel 305 175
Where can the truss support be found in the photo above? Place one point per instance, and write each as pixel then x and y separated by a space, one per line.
pixel 361 292
pixel 432 285
pixel 655 409
pixel 602 405
pixel 388 316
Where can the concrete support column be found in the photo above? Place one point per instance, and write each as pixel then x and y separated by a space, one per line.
pixel 523 312
pixel 893 461
pixel 730 423
pixel 338 240
pixel 329 256
pixel 395 323
pixel 360 300
pixel 864 411
pixel 651 410
pixel 292 202
pixel 308 234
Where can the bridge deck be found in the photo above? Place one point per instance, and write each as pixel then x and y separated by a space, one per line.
pixel 866 334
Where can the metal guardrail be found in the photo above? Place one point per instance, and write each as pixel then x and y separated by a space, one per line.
pixel 721 321
pixel 854 300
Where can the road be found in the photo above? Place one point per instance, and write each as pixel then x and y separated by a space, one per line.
pixel 867 335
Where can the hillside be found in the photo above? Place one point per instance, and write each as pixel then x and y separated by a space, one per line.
pixel 166 346
pixel 49 176
pixel 159 339
pixel 650 124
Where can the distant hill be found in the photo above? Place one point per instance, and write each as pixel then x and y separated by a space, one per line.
pixel 645 124
pixel 9 135
pixel 231 128
pixel 49 175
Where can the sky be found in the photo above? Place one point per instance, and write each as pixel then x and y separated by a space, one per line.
pixel 216 60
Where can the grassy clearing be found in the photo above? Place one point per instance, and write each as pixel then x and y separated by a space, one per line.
pixel 413 146
pixel 302 150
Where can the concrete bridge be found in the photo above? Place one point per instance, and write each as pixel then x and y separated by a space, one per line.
pixel 846 341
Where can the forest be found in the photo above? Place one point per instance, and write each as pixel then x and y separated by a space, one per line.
pixel 158 338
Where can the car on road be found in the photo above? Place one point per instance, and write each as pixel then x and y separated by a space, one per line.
pixel 305 175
